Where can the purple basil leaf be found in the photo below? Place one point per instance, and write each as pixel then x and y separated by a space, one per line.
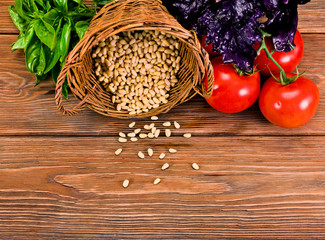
pixel 232 26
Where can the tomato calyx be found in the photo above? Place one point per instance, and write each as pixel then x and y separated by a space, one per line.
pixel 283 79
pixel 246 74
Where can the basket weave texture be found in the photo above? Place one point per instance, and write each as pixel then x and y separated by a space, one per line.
pixel 129 15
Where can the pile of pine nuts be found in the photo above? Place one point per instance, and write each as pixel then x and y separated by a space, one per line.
pixel 139 68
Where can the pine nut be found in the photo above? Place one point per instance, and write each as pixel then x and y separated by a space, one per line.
pixel 154 118
pixel 157 133
pixel 195 166
pixel 165 166
pixel 141 155
pixel 162 156
pixel 172 150
pixel 132 134
pixel 118 151
pixel 126 183
pixel 187 135
pixel 143 135
pixel 168 132
pixel 176 124
pixel 150 152
pixel 122 140
pixel 122 134
pixel 157 181
pixel 131 125
pixel 136 131
pixel 133 139
pixel 166 124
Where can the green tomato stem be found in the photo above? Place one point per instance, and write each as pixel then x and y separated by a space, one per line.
pixel 283 78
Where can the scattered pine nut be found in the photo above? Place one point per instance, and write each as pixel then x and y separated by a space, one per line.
pixel 143 135
pixel 141 155
pixel 176 125
pixel 168 133
pixel 165 166
pixel 126 183
pixel 162 156
pixel 157 133
pixel 152 125
pixel 172 150
pixel 132 134
pixel 150 152
pixel 122 134
pixel 122 140
pixel 118 151
pixel 136 131
pixel 150 135
pixel 157 180
pixel 147 127
pixel 153 130
pixel 187 135
pixel 132 124
pixel 167 124
pixel 195 166
pixel 154 118
pixel 134 139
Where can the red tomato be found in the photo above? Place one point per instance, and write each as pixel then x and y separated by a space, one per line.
pixel 291 105
pixel 288 61
pixel 231 92
pixel 211 53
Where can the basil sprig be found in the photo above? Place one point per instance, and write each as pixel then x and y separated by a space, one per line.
pixel 49 29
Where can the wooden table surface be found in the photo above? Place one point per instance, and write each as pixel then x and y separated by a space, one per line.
pixel 60 179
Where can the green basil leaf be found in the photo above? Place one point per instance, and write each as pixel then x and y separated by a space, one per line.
pixel 19 9
pixel 40 78
pixel 32 6
pixel 33 55
pixel 65 89
pixel 58 28
pixel 41 62
pixel 51 16
pixel 65 40
pixel 20 43
pixel 48 6
pixel 56 72
pixel 81 28
pixel 17 19
pixel 46 33
pixel 52 58
pixel 102 2
pixel 29 34
pixel 41 3
pixel 62 5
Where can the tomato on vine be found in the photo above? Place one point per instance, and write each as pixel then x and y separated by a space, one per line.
pixel 287 60
pixel 232 92
pixel 291 105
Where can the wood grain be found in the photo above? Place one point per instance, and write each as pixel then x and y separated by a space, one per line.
pixel 70 187
pixel 34 111
pixel 60 179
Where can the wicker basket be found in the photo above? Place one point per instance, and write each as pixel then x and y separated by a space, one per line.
pixel 130 15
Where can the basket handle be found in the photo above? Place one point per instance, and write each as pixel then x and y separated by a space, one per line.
pixel 58 93
pixel 200 87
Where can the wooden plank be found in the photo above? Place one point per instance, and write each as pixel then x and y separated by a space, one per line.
pixel 26 110
pixel 312 17
pixel 247 187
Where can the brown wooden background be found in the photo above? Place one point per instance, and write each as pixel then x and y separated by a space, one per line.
pixel 59 178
